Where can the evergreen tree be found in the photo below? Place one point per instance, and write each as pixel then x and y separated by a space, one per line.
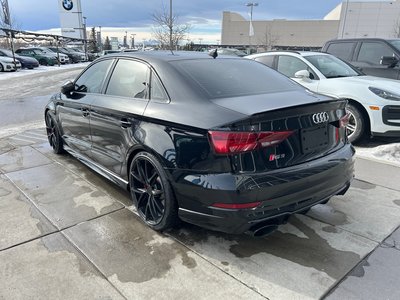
pixel 107 44
pixel 93 47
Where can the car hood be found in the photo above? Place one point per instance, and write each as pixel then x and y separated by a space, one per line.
pixel 6 59
pixel 378 82
pixel 254 104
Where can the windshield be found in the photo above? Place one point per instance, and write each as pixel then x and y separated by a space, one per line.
pixel 331 66
pixel 8 53
pixel 38 51
pixel 395 43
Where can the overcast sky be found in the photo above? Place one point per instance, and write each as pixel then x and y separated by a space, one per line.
pixel 205 15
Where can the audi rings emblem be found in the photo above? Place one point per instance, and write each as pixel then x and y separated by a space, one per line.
pixel 320 118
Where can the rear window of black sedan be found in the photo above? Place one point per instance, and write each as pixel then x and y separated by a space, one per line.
pixel 225 78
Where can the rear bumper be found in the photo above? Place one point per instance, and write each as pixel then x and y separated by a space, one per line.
pixel 281 192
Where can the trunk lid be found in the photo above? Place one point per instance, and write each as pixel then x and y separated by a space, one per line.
pixel 316 132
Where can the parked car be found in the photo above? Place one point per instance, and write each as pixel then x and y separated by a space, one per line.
pixel 373 56
pixel 106 52
pixel 26 62
pixel 7 64
pixel 81 55
pixel 374 103
pixel 89 55
pixel 73 56
pixel 229 51
pixel 226 143
pixel 64 59
pixel 43 58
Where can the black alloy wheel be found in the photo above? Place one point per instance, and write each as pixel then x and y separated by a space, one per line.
pixel 152 192
pixel 53 135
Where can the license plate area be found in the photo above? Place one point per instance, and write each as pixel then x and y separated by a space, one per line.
pixel 315 138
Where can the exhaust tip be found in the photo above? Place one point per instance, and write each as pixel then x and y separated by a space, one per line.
pixel 264 230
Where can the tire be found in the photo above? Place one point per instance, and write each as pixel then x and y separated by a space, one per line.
pixel 1 68
pixel 53 135
pixel 152 193
pixel 357 128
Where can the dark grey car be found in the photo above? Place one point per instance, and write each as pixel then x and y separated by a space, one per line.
pixel 372 56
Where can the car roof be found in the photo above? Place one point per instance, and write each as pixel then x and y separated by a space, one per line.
pixel 166 56
pixel 362 39
pixel 293 53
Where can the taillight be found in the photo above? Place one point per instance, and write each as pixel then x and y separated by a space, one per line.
pixel 234 142
pixel 341 124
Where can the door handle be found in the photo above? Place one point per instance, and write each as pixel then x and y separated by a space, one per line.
pixel 85 111
pixel 125 123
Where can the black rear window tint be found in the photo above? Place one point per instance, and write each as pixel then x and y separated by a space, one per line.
pixel 223 78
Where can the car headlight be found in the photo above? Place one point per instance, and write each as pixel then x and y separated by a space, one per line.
pixel 385 94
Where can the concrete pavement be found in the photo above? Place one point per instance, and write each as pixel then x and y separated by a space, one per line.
pixel 66 232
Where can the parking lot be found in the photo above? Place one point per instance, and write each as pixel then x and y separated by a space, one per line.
pixel 67 233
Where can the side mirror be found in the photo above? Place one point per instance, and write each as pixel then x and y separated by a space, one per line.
pixel 390 61
pixel 302 74
pixel 67 88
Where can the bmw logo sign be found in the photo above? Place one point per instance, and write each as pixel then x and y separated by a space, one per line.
pixel 67 4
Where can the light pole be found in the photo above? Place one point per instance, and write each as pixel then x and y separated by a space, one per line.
pixel 171 45
pixel 100 40
pixel 251 29
pixel 126 39
pixel 345 17
pixel 84 35
pixel 133 40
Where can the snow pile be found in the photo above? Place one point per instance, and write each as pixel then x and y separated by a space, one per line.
pixel 388 153
pixel 41 69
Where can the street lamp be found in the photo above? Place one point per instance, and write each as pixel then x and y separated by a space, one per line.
pixel 133 40
pixel 171 45
pixel 100 41
pixel 251 29
pixel 84 35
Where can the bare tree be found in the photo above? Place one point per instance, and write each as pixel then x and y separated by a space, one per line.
pixel 167 30
pixel 268 39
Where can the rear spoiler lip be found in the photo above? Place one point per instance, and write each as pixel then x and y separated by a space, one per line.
pixel 291 111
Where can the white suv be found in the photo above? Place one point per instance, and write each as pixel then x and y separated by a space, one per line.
pixel 374 102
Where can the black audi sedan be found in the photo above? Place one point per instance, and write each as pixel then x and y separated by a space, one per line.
pixel 227 143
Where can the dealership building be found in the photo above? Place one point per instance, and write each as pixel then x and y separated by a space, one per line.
pixel 350 19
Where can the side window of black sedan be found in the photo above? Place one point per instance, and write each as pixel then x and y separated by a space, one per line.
pixel 92 79
pixel 129 79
